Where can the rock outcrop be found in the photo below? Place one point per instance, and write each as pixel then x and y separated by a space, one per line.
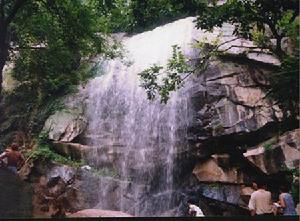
pixel 65 126
pixel 76 151
pixel 98 213
pixel 55 189
pixel 235 133
pixel 218 169
pixel 235 136
pixel 277 153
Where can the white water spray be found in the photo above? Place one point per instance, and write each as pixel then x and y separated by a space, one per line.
pixel 136 140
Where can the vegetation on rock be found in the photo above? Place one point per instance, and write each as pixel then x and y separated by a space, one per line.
pixel 262 21
pixel 50 44
pixel 43 152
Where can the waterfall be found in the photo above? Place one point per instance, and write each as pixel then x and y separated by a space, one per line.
pixel 135 141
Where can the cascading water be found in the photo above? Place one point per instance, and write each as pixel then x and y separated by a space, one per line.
pixel 135 140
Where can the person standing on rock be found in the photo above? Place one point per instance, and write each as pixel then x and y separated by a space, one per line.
pixel 260 202
pixel 286 202
pixel 194 210
pixel 13 157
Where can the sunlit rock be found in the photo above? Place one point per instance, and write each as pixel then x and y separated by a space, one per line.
pixel 65 125
pixel 98 213
pixel 218 169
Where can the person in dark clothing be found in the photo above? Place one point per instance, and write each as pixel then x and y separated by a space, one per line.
pixel 286 202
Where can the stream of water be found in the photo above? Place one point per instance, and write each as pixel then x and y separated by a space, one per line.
pixel 135 141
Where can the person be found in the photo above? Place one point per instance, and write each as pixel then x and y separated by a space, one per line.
pixel 12 158
pixel 254 185
pixel 193 209
pixel 286 202
pixel 260 202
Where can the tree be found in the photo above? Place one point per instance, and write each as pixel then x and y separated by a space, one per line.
pixel 50 43
pixel 269 23
pixel 253 19
pixel 33 32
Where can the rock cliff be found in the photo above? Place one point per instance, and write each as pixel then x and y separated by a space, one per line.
pixel 235 136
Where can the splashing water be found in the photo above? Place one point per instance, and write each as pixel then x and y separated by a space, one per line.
pixel 135 141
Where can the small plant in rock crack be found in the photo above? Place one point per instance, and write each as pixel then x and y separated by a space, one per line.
pixel 268 146
pixel 214 185
pixel 219 129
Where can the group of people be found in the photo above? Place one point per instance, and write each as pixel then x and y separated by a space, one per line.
pixel 261 203
pixel 11 158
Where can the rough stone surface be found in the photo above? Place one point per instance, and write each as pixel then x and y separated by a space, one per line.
pixel 56 190
pixel 9 83
pixel 276 154
pixel 234 114
pixel 99 213
pixel 75 150
pixel 65 125
pixel 230 101
pixel 218 169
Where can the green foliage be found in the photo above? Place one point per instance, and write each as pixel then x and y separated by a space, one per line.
pixel 25 114
pixel 53 38
pixel 43 152
pixel 52 43
pixel 139 15
pixel 214 185
pixel 264 21
pixel 171 78
pixel 268 146
pixel 260 20
pixel 260 39
pixel 161 81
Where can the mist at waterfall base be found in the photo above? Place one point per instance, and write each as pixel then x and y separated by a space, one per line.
pixel 136 142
